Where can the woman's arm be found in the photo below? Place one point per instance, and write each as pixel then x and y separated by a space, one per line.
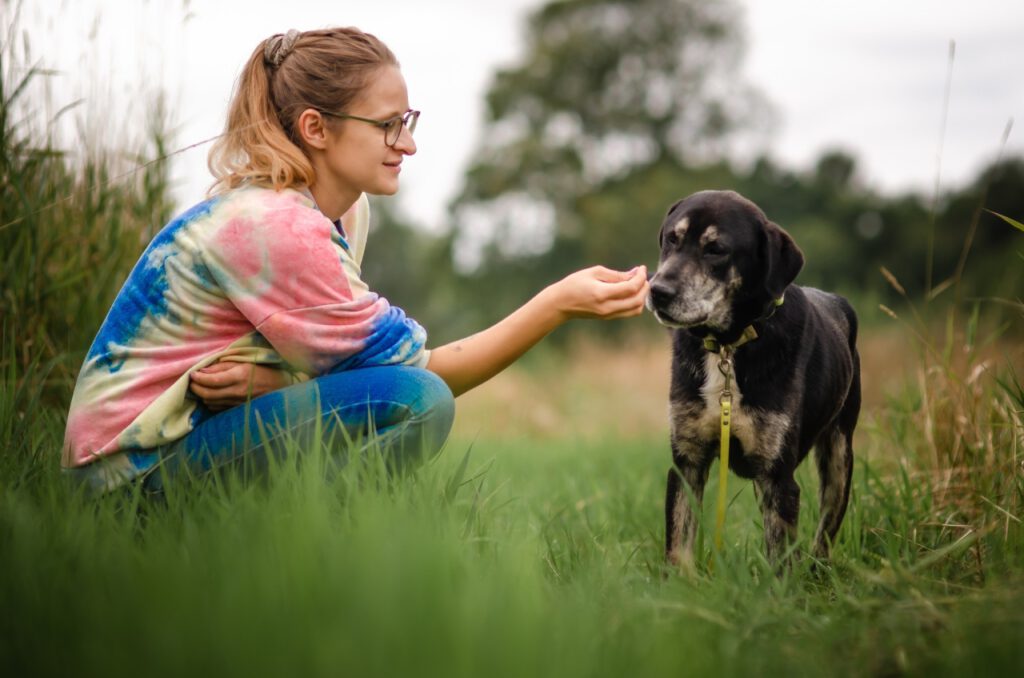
pixel 595 292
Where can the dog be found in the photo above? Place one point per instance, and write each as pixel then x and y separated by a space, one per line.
pixel 724 284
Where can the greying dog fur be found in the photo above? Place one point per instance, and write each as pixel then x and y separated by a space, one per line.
pixel 724 267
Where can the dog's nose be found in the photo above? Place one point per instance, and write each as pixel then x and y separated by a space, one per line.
pixel 661 294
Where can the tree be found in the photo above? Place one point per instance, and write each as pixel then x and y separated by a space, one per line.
pixel 607 88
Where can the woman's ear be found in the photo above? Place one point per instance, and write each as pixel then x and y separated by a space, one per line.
pixel 782 260
pixel 312 129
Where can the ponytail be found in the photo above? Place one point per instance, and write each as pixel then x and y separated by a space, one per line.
pixel 285 75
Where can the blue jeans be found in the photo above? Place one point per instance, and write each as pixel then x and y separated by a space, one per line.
pixel 405 412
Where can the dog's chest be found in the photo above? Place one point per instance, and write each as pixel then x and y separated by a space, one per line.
pixel 760 433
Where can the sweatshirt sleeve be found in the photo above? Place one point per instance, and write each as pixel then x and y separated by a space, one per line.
pixel 290 273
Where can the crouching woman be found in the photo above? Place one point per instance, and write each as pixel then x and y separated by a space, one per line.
pixel 246 323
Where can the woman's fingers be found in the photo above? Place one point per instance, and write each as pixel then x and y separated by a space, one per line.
pixel 627 297
pixel 600 292
pixel 223 381
pixel 219 366
pixel 631 286
pixel 222 375
pixel 610 275
pixel 226 384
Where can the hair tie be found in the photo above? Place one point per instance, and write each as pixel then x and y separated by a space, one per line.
pixel 279 47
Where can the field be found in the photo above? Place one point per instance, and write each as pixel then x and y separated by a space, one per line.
pixel 532 546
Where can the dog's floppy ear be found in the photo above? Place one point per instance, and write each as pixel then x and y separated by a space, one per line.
pixel 783 260
pixel 661 231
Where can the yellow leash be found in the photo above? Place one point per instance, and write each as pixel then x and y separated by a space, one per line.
pixel 725 400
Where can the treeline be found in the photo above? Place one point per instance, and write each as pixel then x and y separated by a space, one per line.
pixel 846 231
pixel 616 110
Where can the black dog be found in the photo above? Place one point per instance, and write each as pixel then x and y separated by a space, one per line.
pixel 723 280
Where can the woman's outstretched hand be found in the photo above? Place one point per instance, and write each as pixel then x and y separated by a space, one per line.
pixel 224 385
pixel 595 292
pixel 599 292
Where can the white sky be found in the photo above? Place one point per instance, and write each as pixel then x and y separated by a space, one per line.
pixel 867 76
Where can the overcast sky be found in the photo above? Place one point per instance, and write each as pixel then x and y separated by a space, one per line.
pixel 868 77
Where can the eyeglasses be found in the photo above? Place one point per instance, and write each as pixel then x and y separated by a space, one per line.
pixel 392 126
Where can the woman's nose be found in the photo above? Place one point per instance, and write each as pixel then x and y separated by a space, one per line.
pixel 406 144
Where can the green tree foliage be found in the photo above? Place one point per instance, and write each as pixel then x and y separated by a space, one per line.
pixel 412 269
pixel 609 92
pixel 606 87
pixel 620 107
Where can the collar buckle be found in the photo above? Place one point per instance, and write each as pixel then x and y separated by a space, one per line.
pixel 712 345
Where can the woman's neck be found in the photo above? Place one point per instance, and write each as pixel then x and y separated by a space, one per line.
pixel 332 203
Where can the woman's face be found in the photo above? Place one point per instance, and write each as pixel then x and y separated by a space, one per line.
pixel 356 157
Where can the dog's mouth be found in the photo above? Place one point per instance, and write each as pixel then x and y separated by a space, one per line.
pixel 666 318
pixel 668 321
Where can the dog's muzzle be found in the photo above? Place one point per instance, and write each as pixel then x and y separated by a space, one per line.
pixel 660 301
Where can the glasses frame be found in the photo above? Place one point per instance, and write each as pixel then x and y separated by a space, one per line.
pixel 408 121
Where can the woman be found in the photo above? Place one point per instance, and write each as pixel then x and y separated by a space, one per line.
pixel 254 296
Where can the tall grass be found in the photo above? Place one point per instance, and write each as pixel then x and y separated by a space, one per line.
pixel 73 219
pixel 540 559
pixel 531 546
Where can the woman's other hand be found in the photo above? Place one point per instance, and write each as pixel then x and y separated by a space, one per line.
pixel 223 385
pixel 599 292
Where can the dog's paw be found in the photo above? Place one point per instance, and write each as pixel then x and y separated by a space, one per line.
pixel 681 564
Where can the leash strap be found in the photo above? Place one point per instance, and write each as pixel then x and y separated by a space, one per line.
pixel 725 400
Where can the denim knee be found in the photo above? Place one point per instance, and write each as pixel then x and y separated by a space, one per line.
pixel 434 404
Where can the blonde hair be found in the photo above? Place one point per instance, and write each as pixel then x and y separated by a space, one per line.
pixel 286 74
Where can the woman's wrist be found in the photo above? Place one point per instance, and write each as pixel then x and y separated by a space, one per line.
pixel 552 302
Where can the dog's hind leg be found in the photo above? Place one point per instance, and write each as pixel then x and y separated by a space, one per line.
pixel 682 507
pixel 780 507
pixel 834 456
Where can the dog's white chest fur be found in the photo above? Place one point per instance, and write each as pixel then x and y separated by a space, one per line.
pixel 759 433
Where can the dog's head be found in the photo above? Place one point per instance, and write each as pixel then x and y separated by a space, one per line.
pixel 722 264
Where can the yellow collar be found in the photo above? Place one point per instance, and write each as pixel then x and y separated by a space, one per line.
pixel 749 333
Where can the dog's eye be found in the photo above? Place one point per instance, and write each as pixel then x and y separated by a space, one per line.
pixel 715 249
pixel 671 239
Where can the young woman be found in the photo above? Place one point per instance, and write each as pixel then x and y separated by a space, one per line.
pixel 246 323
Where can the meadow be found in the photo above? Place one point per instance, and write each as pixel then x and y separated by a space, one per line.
pixel 532 545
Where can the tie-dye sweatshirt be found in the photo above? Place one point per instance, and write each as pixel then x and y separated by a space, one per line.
pixel 251 275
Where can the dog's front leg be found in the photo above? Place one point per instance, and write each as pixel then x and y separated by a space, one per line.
pixel 686 480
pixel 780 508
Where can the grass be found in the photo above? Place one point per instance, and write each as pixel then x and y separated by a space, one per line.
pixel 531 546
pixel 531 554
pixel 513 556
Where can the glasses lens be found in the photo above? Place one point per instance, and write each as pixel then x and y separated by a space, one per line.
pixel 393 131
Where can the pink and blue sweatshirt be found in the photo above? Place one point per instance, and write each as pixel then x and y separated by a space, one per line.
pixel 251 275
